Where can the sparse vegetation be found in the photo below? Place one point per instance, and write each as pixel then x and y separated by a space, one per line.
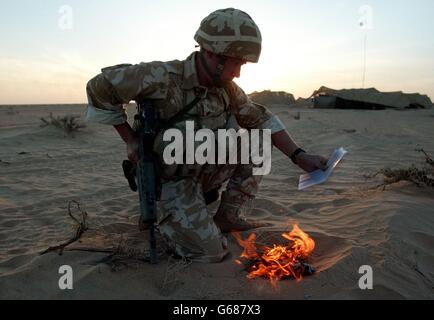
pixel 129 253
pixel 349 130
pixel 11 111
pixel 69 123
pixel 422 177
pixel 172 277
pixel 124 254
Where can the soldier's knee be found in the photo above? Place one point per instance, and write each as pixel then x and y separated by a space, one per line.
pixel 186 243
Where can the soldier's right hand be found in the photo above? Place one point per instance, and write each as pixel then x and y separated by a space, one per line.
pixel 133 149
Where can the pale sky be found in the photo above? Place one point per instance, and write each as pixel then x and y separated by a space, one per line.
pixel 49 49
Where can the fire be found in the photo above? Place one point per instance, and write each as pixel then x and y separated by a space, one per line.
pixel 280 261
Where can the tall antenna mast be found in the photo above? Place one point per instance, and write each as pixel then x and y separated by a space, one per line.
pixel 366 22
pixel 364 59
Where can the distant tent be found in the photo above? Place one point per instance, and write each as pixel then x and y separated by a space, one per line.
pixel 368 99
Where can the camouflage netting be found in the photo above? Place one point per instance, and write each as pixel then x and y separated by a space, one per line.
pixel 369 98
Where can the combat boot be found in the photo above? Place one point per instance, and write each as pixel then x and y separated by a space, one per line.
pixel 230 216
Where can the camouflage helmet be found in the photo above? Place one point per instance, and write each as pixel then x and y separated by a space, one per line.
pixel 230 32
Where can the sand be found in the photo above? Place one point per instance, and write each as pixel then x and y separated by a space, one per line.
pixel 352 222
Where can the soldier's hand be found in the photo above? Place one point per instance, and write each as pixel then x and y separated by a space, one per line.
pixel 133 149
pixel 310 163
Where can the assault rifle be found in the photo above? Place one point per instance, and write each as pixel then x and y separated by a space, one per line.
pixel 146 171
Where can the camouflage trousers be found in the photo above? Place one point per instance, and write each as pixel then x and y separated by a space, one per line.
pixel 184 219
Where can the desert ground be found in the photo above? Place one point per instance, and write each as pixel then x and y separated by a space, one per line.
pixel 352 218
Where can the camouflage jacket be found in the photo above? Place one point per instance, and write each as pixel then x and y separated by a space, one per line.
pixel 172 85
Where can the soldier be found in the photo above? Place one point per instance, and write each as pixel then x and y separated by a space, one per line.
pixel 199 88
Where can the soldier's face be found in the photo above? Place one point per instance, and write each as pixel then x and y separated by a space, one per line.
pixel 232 69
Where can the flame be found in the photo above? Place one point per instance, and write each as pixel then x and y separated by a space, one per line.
pixel 303 245
pixel 248 245
pixel 280 261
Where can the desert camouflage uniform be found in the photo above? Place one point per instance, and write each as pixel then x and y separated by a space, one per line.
pixel 183 217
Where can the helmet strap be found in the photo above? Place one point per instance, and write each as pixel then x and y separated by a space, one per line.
pixel 216 76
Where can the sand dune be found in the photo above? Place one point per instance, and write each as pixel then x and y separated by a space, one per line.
pixel 352 222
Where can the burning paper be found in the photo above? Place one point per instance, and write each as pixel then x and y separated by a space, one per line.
pixel 279 261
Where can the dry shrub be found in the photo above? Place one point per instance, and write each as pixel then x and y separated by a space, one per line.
pixel 69 123
pixel 422 177
pixel 175 269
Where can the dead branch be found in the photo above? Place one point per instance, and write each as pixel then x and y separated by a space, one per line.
pixel 81 227
pixel 428 159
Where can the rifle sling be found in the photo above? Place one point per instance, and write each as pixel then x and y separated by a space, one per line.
pixel 182 113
